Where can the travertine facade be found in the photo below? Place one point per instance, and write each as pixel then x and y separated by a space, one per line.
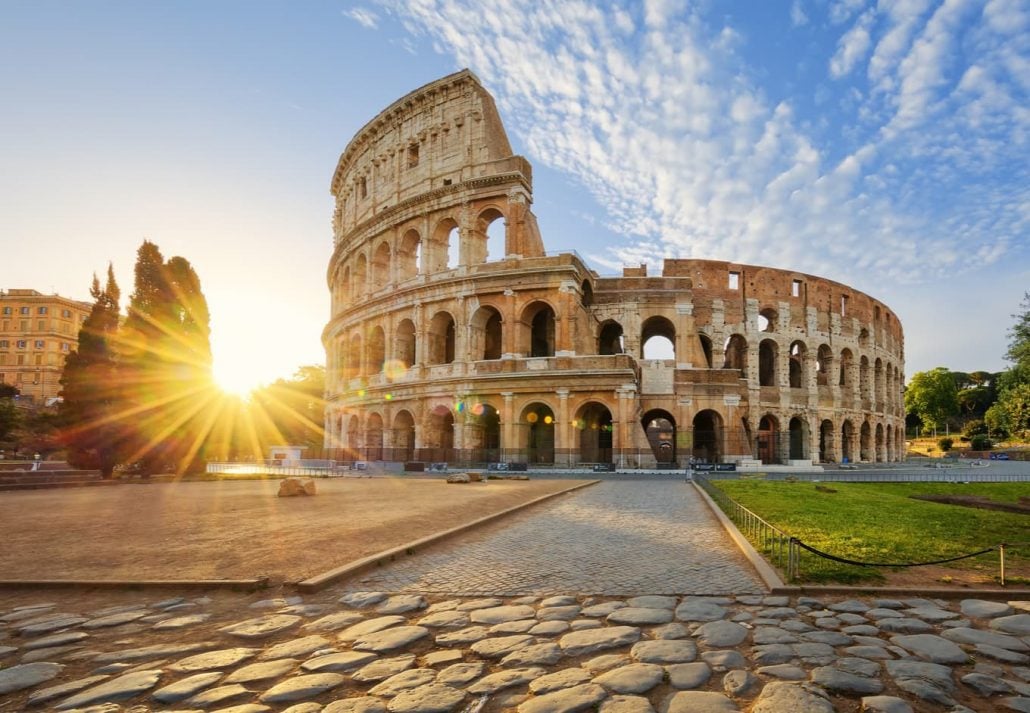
pixel 37 332
pixel 439 347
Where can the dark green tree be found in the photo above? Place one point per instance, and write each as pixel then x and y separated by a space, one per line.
pixel 166 364
pixel 933 397
pixel 91 417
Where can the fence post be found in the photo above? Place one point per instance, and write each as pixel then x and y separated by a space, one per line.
pixel 1001 562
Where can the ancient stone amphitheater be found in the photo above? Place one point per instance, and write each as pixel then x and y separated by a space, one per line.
pixel 455 337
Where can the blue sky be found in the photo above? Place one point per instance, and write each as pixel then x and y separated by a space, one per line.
pixel 882 144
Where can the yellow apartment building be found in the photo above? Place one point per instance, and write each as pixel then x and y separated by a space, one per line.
pixel 37 332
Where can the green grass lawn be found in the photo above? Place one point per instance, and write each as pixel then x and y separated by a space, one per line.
pixel 880 522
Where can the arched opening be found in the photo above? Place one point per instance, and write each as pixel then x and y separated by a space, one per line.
pixel 866 442
pixel 441 339
pixel 706 349
pixel 846 363
pixel 767 320
pixel 707 436
pixel 538 325
pixel 798 439
pixel 403 437
pixel 381 267
pixel 826 441
pixel 594 423
pixel 586 297
pixel 823 365
pixel 438 441
pixel 376 351
pixel 353 361
pixel 660 427
pixel 404 343
pixel 768 435
pixel 374 437
pixel 847 442
pixel 409 255
pixel 767 356
pixel 484 433
pixel 360 278
pixel 797 365
pixel 539 427
pixel 485 334
pixel 880 443
pixel 736 354
pixel 657 339
pixel 491 225
pixel 610 340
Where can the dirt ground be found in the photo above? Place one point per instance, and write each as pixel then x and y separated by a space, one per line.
pixel 233 529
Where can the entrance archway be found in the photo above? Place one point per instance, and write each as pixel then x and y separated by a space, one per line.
pixel 660 427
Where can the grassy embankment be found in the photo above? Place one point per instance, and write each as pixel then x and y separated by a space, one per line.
pixel 880 522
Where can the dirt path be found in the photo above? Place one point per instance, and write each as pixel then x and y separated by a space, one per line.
pixel 233 530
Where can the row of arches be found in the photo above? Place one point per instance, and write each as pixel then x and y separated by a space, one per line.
pixel 392 260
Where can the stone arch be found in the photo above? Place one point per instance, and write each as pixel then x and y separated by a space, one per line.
pixel 706 349
pixel 594 422
pixel 438 439
pixel 767 320
pixel 359 281
pixel 865 440
pixel 404 343
pixel 485 337
pixel 799 440
pixel 826 432
pixel 847 442
pixel 374 437
pixel 823 365
pixel 409 255
pixel 375 357
pixel 796 365
pixel 768 356
pixel 537 329
pixel 441 339
pixel 657 336
pixel 736 354
pixel 610 338
pixel 708 436
pixel 660 427
pixel 381 267
pixel 403 441
pixel 768 439
pixel 538 421
pixel 484 432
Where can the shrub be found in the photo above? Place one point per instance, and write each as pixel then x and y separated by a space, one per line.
pixel 980 442
pixel 945 444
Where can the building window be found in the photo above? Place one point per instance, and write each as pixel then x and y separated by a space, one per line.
pixel 22 343
pixel 795 288
pixel 734 283
pixel 40 344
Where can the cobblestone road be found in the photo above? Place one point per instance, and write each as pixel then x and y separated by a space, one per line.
pixel 619 537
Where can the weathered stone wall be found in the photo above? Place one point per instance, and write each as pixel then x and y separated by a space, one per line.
pixel 438 350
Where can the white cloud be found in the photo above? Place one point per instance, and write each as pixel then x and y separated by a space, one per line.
pixel 363 16
pixel 659 116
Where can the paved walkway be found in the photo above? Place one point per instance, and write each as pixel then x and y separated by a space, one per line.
pixel 617 538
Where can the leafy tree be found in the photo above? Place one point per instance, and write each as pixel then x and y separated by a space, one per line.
pixel 932 396
pixel 91 415
pixel 166 364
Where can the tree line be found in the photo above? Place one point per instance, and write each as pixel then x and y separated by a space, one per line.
pixel 984 406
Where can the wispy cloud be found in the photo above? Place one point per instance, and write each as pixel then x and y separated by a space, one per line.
pixel 363 16
pixel 660 112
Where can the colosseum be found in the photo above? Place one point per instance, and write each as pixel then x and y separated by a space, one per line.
pixel 455 337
